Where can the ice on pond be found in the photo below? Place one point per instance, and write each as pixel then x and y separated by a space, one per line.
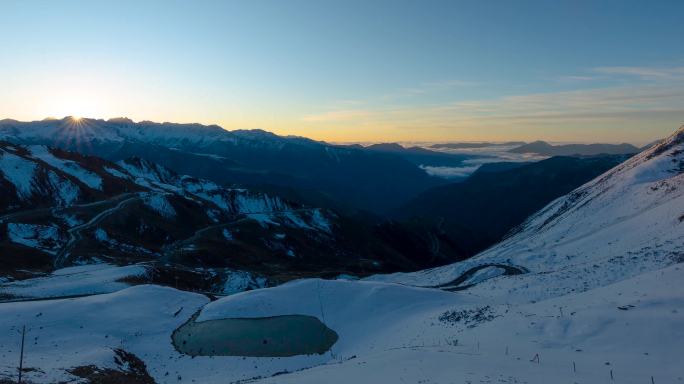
pixel 277 336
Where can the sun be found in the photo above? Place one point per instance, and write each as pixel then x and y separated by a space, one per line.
pixel 75 106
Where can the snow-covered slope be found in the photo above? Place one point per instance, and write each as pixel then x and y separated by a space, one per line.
pixel 64 334
pixel 630 331
pixel 387 333
pixel 587 291
pixel 28 178
pixel 91 179
pixel 231 200
pixel 627 221
pixel 61 208
pixel 74 281
pixel 53 177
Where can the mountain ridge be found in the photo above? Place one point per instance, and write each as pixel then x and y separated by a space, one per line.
pixel 543 148
pixel 62 208
pixel 254 157
pixel 480 210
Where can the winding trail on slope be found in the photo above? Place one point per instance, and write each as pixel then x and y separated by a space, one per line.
pixel 11 216
pixel 455 285
pixel 170 249
pixel 75 232
pixel 53 209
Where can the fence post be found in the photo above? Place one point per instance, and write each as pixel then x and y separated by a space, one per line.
pixel 21 354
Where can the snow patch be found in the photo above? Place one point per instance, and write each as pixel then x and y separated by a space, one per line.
pixel 247 203
pixel 70 220
pixel 18 171
pixel 74 281
pixel 69 167
pixel 319 221
pixel 66 192
pixel 116 173
pixel 263 219
pixel 102 236
pixel 43 237
pixel 240 281
pixel 160 204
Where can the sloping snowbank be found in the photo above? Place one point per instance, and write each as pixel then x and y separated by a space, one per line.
pixel 388 333
pixel 160 204
pixel 632 328
pixel 364 314
pixel 43 237
pixel 75 281
pixel 72 168
pixel 68 333
pixel 18 171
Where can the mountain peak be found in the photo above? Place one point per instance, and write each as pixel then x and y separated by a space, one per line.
pixel 675 139
pixel 256 133
pixel 539 142
pixel 120 120
pixel 387 147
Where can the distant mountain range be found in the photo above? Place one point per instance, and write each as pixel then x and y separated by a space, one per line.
pixel 364 179
pixel 378 178
pixel 421 156
pixel 545 149
pixel 476 145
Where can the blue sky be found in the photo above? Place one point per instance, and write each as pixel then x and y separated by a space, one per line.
pixel 354 70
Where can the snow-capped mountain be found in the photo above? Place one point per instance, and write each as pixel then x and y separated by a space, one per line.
pixel 60 208
pixel 36 176
pixel 545 149
pixel 357 177
pixel 68 131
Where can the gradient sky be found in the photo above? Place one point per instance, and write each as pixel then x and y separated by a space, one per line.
pixel 349 70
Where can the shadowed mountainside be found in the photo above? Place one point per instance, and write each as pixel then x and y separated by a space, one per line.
pixel 479 211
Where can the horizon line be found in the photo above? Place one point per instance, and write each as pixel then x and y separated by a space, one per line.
pixel 335 142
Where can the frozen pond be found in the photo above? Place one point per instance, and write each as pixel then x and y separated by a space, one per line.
pixel 277 336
